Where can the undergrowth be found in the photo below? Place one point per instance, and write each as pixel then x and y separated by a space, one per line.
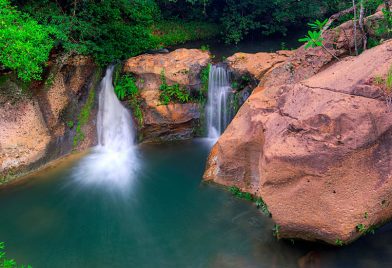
pixel 83 117
pixel 259 202
pixel 172 93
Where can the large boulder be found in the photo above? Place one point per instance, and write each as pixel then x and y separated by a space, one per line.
pixel 304 63
pixel 318 151
pixel 255 65
pixel 183 67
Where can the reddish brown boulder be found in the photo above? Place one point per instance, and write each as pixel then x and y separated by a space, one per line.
pixel 182 66
pixel 304 63
pixel 318 151
pixel 255 65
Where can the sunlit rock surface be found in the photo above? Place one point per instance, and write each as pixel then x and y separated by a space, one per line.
pixel 317 151
pixel 41 125
pixel 182 66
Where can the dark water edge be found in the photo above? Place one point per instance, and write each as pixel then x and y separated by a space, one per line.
pixel 252 44
pixel 165 218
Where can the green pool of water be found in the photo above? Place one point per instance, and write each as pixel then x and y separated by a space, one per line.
pixel 164 218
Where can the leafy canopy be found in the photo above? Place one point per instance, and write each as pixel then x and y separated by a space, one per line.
pixel 24 44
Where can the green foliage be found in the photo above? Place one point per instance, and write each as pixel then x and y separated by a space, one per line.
pixel 318 25
pixel 388 81
pixel 339 243
pixel 172 93
pixel 24 44
pixel 363 229
pixel 259 202
pixel 205 48
pixel 8 263
pixel 126 88
pixel 276 231
pixel 109 30
pixel 312 39
pixel 173 32
pixel 70 124
pixel 204 78
pixel 83 117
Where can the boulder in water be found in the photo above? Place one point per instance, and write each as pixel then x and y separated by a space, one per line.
pixel 183 67
pixel 317 151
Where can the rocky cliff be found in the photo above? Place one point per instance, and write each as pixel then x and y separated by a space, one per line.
pixel 49 118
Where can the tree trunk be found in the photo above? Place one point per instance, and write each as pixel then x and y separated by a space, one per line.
pixel 355 28
pixel 361 24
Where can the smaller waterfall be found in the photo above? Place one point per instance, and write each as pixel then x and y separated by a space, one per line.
pixel 113 161
pixel 218 105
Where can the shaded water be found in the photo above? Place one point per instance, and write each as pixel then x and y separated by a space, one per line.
pixel 218 105
pixel 167 218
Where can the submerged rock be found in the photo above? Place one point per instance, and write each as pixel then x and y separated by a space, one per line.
pixel 317 151
pixel 182 67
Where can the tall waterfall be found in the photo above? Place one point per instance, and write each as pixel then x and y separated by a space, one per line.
pixel 114 160
pixel 218 105
pixel 114 126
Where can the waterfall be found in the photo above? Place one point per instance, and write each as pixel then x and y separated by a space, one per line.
pixel 114 126
pixel 114 160
pixel 218 105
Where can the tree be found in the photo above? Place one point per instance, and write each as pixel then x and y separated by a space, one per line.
pixel 24 44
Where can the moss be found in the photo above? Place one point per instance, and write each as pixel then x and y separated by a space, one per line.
pixel 85 112
pixel 260 204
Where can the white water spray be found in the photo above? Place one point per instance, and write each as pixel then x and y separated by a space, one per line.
pixel 219 94
pixel 113 161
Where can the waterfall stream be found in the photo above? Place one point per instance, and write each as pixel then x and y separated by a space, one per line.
pixel 218 105
pixel 113 160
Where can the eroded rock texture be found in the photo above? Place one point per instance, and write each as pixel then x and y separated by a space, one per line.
pixel 317 151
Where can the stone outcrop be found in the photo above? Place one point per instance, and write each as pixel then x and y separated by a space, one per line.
pixel 183 67
pixel 257 64
pixel 41 125
pixel 318 151
pixel 304 63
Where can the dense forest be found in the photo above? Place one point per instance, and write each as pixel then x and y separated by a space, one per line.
pixel 113 30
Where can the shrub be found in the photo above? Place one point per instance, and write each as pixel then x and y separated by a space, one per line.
pixel 172 93
pixel 126 88
pixel 7 263
pixel 173 32
pixel 24 44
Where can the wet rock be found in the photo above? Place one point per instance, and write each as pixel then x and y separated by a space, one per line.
pixel 183 67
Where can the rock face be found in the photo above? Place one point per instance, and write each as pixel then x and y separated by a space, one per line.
pixel 304 63
pixel 42 127
pixel 256 65
pixel 317 151
pixel 23 134
pixel 182 66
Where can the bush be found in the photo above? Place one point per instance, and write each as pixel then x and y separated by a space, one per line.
pixel 126 88
pixel 7 263
pixel 173 93
pixel 173 32
pixel 24 44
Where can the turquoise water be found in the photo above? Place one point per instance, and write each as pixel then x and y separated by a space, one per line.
pixel 164 218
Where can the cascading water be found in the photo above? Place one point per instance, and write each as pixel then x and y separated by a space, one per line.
pixel 218 105
pixel 114 159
